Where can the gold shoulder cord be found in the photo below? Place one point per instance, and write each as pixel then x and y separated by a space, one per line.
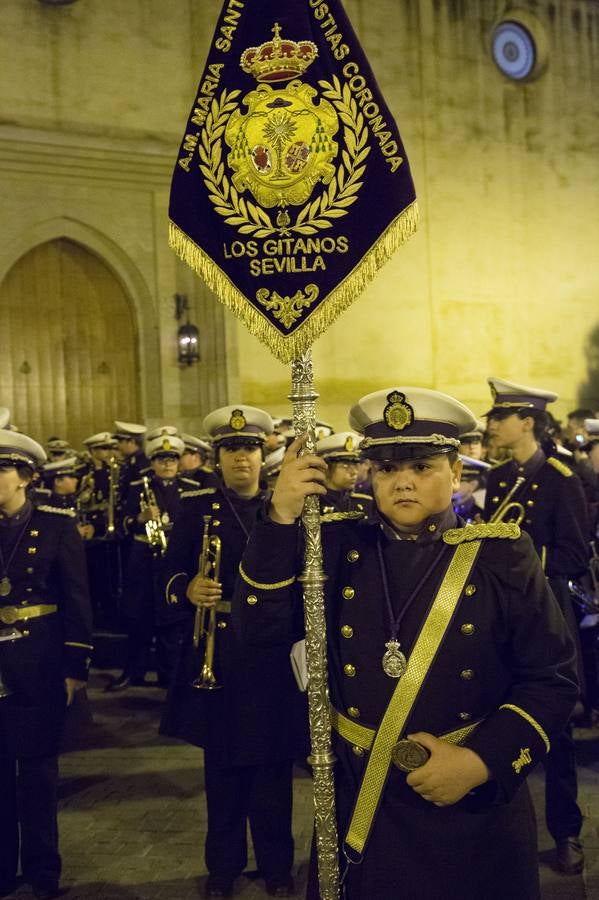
pixel 405 695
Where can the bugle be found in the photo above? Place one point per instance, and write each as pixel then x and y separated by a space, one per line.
pixel 154 527
pixel 507 505
pixel 205 618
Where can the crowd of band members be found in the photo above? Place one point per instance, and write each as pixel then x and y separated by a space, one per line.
pixel 153 493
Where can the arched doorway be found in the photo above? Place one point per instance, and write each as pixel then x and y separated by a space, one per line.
pixel 69 348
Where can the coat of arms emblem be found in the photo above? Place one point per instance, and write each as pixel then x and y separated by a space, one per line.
pixel 283 146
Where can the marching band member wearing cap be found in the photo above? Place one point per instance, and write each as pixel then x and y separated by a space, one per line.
pixel 45 646
pixel 64 489
pixel 341 453
pixel 272 465
pixel 130 437
pixel 161 431
pixel 246 726
pixel 192 464
pixel 103 440
pixel 156 497
pixel 471 442
pixel 58 449
pixel 548 500
pixel 416 598
pixel 469 499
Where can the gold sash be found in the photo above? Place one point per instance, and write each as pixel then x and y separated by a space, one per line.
pixel 405 695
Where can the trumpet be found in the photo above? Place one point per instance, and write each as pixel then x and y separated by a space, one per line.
pixel 205 619
pixel 507 505
pixel 154 527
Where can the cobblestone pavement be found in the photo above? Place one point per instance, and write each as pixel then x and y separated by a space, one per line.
pixel 132 815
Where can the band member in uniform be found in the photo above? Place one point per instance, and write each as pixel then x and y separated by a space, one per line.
pixel 193 461
pixel 45 646
pixel 272 466
pixel 102 448
pixel 471 444
pixel 153 503
pixel 64 490
pixel 58 449
pixel 450 666
pixel 552 509
pixel 469 499
pixel 245 725
pixel 129 440
pixel 341 454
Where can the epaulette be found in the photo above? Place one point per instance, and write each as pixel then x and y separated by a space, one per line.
pixel 559 466
pixel 341 516
pixel 186 480
pixel 147 470
pixel 362 496
pixel 483 530
pixel 136 482
pixel 55 509
pixel 186 495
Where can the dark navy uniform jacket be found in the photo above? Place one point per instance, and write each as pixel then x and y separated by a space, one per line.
pixel 258 716
pixel 346 501
pixel 507 644
pixel 144 561
pixel 132 468
pixel 506 663
pixel 48 568
pixel 555 511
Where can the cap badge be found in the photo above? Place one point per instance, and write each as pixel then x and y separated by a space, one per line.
pixel 237 420
pixel 398 414
pixel 166 444
pixel 349 443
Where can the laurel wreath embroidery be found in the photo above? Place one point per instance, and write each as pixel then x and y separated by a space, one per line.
pixel 343 190
pixel 333 203
pixel 243 214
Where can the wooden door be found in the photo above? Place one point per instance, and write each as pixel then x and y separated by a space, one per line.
pixel 69 351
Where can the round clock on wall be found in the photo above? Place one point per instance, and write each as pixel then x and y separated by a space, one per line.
pixel 518 46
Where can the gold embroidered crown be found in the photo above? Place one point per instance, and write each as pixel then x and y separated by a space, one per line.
pixel 279 59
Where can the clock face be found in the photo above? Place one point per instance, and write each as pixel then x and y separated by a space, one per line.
pixel 514 50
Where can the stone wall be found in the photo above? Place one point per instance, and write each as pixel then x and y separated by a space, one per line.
pixel 500 279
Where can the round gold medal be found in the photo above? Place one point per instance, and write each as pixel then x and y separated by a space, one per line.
pixel 409 755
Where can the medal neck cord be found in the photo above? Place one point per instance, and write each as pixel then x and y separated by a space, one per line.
pixel 5 564
pixel 395 621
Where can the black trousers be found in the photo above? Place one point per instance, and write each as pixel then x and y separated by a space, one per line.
pixel 261 794
pixel 28 819
pixel 563 815
pixel 140 635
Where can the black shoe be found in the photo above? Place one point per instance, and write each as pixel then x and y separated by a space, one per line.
pixel 218 886
pixel 118 684
pixel 570 857
pixel 280 887
pixel 46 890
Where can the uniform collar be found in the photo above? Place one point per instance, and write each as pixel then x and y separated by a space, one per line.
pixel 431 531
pixel 531 465
pixel 236 498
pixel 18 518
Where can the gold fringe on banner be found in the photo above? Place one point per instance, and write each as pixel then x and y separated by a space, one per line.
pixel 288 348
